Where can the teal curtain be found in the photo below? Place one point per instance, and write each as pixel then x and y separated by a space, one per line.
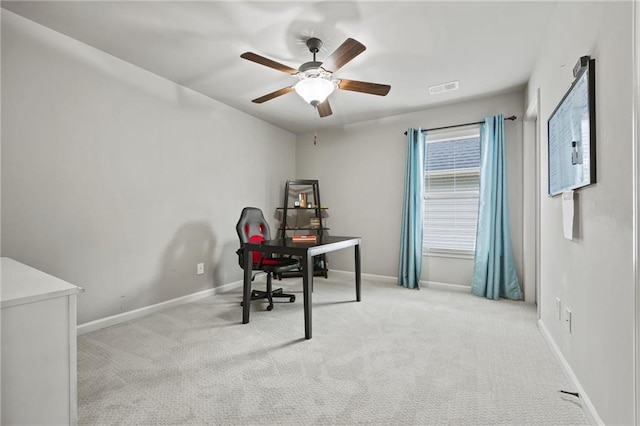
pixel 410 264
pixel 494 272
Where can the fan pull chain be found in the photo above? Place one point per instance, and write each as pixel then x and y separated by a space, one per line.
pixel 315 126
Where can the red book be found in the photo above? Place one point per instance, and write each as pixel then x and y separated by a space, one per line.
pixel 304 238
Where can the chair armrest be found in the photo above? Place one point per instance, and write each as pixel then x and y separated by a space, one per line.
pixel 240 253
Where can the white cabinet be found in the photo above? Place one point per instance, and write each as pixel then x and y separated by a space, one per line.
pixel 39 347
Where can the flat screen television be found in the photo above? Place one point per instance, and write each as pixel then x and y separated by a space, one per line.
pixel 572 135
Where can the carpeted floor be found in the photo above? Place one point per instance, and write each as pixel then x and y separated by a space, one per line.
pixel 398 357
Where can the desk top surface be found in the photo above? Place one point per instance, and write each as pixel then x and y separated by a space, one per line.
pixel 324 244
pixel 325 239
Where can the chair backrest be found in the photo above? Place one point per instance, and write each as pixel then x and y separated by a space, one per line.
pixel 252 227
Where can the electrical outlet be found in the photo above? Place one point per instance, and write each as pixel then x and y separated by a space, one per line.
pixel 568 317
pixel 558 309
pixel 200 268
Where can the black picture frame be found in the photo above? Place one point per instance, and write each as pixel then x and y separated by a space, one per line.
pixel 571 135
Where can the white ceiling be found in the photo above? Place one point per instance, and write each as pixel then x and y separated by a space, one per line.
pixel 488 46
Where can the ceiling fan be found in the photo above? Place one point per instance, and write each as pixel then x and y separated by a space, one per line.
pixel 315 79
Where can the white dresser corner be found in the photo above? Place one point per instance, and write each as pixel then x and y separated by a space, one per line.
pixel 38 346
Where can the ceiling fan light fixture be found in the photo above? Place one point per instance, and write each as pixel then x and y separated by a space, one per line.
pixel 314 90
pixel 316 82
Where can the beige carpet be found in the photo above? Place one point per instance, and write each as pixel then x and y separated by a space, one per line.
pixel 398 357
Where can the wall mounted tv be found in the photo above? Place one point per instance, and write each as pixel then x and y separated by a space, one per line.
pixel 572 135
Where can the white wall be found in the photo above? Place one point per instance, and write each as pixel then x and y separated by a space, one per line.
pixel 361 171
pixel 593 274
pixel 120 181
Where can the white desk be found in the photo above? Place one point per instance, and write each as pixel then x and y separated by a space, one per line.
pixel 39 346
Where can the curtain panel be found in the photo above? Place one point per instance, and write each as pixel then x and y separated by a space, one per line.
pixel 410 263
pixel 494 272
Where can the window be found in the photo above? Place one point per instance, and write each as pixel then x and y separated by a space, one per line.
pixel 451 191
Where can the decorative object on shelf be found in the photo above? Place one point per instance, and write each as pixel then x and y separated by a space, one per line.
pixel 302 199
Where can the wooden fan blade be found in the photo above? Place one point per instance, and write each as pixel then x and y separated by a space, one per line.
pixel 364 87
pixel 324 109
pixel 343 54
pixel 272 95
pixel 250 56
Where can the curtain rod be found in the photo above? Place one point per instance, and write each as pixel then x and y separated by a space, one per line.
pixel 512 118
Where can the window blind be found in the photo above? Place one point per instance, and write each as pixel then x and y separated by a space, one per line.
pixel 452 186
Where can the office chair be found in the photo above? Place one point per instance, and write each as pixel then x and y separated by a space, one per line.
pixel 252 227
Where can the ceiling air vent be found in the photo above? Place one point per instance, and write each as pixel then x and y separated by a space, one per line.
pixel 444 87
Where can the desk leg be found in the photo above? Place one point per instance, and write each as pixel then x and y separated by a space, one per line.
pixel 246 295
pixel 307 283
pixel 357 260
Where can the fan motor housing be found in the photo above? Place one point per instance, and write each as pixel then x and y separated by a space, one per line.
pixel 314 44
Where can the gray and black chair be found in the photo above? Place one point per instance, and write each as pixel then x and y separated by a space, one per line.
pixel 252 227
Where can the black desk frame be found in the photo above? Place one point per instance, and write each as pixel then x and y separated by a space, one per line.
pixel 306 251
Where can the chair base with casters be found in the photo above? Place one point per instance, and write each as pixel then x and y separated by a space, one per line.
pixel 252 227
pixel 269 294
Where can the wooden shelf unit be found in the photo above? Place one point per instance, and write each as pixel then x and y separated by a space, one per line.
pixel 311 190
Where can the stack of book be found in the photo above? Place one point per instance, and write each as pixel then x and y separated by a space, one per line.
pixel 304 238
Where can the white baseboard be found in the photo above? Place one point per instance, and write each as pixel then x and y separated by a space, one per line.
pixel 394 280
pixel 587 406
pixel 137 313
pixel 446 286
pixel 371 277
